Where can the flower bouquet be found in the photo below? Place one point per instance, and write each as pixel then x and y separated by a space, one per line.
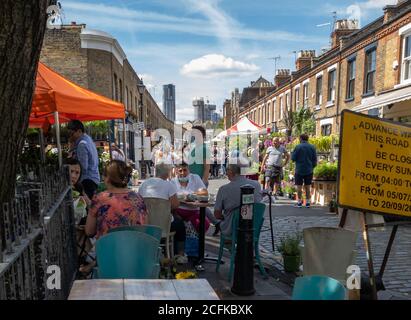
pixel 186 275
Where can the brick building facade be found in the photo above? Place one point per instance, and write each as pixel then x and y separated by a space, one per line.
pixel 95 60
pixel 367 70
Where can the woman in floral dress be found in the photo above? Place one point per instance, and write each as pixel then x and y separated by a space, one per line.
pixel 117 206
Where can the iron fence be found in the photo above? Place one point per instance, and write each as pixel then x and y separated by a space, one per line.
pixel 37 238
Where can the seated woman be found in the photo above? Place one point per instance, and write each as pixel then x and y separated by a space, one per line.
pixel 188 183
pixel 78 190
pixel 75 174
pixel 117 206
pixel 85 246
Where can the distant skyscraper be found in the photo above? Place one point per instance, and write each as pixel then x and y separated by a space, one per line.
pixel 199 110
pixel 169 101
pixel 204 111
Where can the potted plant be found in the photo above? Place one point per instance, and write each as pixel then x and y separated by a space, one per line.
pixel 290 250
pixel 290 190
pixel 326 171
pixel 333 204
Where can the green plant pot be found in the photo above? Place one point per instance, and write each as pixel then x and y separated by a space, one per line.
pixel 292 263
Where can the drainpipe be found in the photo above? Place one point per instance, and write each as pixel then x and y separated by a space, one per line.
pixel 337 98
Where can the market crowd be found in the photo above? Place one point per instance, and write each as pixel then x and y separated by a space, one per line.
pixel 178 175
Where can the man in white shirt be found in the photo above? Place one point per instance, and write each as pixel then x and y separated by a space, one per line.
pixel 275 159
pixel 160 187
pixel 188 183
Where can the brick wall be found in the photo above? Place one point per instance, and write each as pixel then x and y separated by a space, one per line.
pixel 62 52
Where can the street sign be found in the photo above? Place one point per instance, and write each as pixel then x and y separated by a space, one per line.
pixel 138 126
pixel 375 165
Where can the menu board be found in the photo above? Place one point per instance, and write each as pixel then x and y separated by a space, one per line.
pixel 374 165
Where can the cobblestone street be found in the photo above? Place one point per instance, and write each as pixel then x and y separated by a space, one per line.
pixel 286 218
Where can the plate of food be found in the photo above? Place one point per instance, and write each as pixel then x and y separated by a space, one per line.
pixel 191 197
pixel 202 195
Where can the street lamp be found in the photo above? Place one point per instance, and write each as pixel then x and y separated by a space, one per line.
pixel 141 88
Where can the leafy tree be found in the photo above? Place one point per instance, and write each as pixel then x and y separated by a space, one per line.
pixel 304 122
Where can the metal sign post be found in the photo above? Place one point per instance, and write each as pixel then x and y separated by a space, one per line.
pixel 244 260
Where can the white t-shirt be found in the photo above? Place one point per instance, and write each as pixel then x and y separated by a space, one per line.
pixel 275 156
pixel 194 183
pixel 157 188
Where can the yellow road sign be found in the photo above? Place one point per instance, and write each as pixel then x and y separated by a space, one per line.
pixel 374 165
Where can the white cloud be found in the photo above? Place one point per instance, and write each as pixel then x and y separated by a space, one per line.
pixel 217 65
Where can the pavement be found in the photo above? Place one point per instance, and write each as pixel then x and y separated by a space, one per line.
pixel 287 218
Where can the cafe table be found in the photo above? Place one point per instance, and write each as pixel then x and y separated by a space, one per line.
pixel 142 289
pixel 201 247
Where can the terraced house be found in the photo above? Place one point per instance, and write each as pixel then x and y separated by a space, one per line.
pixel 366 70
pixel 95 60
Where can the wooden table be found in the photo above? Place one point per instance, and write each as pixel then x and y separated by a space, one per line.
pixel 201 245
pixel 142 289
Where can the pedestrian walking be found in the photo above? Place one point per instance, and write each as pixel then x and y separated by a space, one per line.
pixel 199 158
pixel 305 158
pixel 275 159
pixel 85 152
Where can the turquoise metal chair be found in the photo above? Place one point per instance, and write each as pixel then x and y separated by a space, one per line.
pixel 318 288
pixel 151 230
pixel 258 219
pixel 128 255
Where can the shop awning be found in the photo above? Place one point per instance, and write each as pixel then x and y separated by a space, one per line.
pixel 54 93
pixel 384 99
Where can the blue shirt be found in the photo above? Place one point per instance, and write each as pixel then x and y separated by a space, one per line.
pixel 305 158
pixel 86 154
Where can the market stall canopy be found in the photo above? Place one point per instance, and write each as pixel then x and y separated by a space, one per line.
pixel 54 93
pixel 246 126
pixel 220 136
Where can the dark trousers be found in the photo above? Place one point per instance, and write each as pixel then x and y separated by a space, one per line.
pixel 90 188
pixel 179 228
pixel 214 170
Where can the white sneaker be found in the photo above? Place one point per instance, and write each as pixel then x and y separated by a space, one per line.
pixel 181 259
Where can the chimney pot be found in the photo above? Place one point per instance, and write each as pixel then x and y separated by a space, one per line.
pixel 73 23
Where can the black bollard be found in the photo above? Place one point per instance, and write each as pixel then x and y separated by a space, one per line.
pixel 243 284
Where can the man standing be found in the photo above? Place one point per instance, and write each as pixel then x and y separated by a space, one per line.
pixel 229 196
pixel 199 160
pixel 85 152
pixel 275 159
pixel 305 158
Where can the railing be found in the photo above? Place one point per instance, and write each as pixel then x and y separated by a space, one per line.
pixel 38 240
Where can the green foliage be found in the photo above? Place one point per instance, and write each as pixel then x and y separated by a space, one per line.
pixel 308 126
pixel 326 171
pixel 290 189
pixel 289 245
pixel 321 144
pixel 303 119
pixel 220 124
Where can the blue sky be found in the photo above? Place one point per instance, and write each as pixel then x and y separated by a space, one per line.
pixel 209 47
